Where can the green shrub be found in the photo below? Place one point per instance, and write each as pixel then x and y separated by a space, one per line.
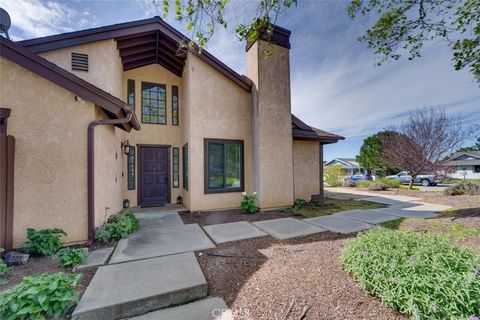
pixel 334 175
pixel 70 257
pixel 249 203
pixel 39 297
pixel 363 184
pixel 3 269
pixel 377 186
pixel 117 227
pixel 44 242
pixel 391 183
pixel 469 188
pixel 421 275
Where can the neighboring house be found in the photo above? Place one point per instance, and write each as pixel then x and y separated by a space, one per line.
pixel 466 164
pixel 349 165
pixel 117 113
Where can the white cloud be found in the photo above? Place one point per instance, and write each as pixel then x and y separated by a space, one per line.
pixel 34 18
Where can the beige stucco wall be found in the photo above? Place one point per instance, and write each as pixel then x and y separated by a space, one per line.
pixel 217 108
pixel 158 134
pixel 110 171
pixel 104 64
pixel 50 159
pixel 272 133
pixel 306 169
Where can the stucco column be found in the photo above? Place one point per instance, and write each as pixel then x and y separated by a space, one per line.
pixel 272 149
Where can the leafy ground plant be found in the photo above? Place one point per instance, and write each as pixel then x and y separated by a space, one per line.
pixel 117 227
pixel 249 203
pixel 44 242
pixel 71 257
pixel 40 297
pixel 421 275
pixel 3 269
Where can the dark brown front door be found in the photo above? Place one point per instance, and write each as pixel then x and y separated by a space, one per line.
pixel 154 176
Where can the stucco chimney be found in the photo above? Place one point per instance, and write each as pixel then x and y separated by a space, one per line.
pixel 271 125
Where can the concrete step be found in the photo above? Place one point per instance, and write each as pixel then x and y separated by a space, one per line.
pixel 137 287
pixel 206 309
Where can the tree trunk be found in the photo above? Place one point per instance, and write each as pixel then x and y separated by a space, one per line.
pixel 410 185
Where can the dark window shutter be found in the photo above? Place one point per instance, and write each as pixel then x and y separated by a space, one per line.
pixel 79 61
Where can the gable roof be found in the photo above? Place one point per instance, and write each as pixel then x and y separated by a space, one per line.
pixel 472 159
pixel 347 162
pixel 140 43
pixel 303 131
pixel 113 107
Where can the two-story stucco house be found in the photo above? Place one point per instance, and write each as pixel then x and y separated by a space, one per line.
pixel 117 113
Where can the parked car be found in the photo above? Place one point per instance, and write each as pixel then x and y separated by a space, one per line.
pixel 424 179
pixel 358 177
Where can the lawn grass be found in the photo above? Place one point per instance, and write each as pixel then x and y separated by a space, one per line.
pixel 393 225
pixel 328 206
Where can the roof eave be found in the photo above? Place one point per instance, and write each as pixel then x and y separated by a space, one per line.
pixel 38 65
pixel 70 39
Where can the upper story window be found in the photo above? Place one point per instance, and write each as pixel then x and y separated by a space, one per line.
pixel 79 61
pixel 154 103
pixel 224 165
pixel 131 93
pixel 175 105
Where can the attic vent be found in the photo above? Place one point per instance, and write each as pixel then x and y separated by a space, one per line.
pixel 79 61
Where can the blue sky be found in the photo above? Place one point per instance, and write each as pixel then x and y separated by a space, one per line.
pixel 335 83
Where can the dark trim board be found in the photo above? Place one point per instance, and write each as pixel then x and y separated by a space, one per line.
pixel 139 170
pixel 126 30
pixel 113 106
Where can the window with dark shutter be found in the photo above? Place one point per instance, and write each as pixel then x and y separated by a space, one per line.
pixel 131 168
pixel 185 166
pixel 176 167
pixel 131 93
pixel 79 61
pixel 175 105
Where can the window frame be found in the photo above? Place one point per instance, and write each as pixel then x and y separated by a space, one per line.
pixel 164 86
pixel 129 158
pixel 175 164
pixel 130 86
pixel 185 166
pixel 206 142
pixel 175 121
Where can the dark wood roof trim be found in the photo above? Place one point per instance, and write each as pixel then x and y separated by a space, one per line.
pixel 129 29
pixel 113 106
pixel 280 36
pixel 305 132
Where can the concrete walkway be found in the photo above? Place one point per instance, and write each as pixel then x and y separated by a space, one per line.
pixel 154 274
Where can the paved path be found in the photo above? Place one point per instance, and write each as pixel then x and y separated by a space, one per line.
pixel 153 273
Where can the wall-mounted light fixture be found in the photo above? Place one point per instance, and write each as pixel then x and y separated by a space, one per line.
pixel 79 99
pixel 125 145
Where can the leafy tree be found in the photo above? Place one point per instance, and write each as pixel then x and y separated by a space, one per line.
pixel 424 141
pixel 407 25
pixel 202 16
pixel 475 147
pixel 334 175
pixel 370 154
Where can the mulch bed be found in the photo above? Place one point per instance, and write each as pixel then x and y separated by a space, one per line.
pixel 271 279
pixel 206 218
pixel 39 265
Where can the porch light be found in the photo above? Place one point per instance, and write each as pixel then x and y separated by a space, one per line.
pixel 126 147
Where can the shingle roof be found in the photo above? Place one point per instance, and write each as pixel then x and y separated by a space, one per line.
pixel 305 132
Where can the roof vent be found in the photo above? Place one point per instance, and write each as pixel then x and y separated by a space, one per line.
pixel 79 61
